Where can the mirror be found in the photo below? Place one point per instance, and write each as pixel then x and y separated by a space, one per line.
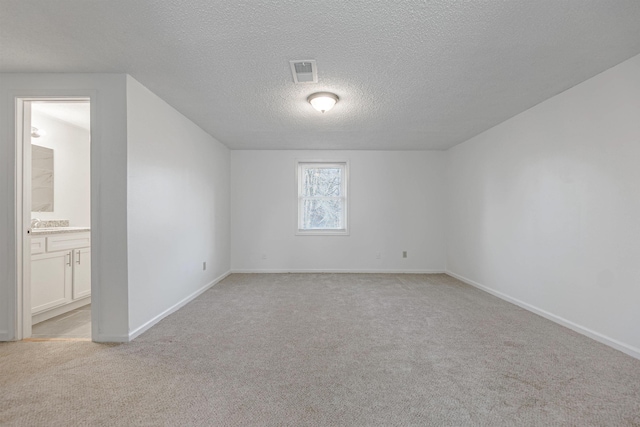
pixel 41 179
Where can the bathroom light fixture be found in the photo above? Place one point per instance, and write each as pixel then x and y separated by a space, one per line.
pixel 37 133
pixel 323 101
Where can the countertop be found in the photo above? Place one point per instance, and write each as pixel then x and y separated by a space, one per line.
pixel 57 230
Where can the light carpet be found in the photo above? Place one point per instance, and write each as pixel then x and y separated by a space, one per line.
pixel 328 350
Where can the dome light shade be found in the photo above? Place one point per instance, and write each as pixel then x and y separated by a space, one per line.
pixel 37 133
pixel 323 101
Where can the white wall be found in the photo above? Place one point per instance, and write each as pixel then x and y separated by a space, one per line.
pixel 545 208
pixel 108 188
pixel 178 207
pixel 396 204
pixel 72 161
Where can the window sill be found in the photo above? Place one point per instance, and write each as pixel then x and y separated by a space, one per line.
pixel 322 232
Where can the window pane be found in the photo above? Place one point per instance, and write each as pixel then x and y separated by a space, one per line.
pixel 319 214
pixel 321 182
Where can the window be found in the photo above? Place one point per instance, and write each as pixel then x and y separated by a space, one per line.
pixel 322 198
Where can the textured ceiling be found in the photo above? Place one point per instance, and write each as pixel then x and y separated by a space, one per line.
pixel 410 74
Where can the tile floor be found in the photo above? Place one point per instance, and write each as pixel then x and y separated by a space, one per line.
pixel 74 324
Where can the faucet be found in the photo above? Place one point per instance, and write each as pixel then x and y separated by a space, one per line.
pixel 35 223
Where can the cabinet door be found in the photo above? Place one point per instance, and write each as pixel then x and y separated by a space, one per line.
pixel 50 280
pixel 81 273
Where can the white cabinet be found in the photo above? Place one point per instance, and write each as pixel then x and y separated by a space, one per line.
pixel 60 272
pixel 38 245
pixel 81 273
pixel 50 280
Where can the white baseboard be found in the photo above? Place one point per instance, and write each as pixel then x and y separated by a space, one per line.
pixel 625 348
pixel 4 336
pixel 250 270
pixel 140 330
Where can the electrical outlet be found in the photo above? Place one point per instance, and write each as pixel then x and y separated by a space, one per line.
pixel 378 256
pixel 404 254
pixel 264 256
pixel 204 265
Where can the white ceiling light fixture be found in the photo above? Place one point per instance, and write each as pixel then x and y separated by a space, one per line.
pixel 323 101
pixel 37 133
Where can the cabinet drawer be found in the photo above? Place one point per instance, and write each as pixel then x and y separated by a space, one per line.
pixel 37 245
pixel 62 242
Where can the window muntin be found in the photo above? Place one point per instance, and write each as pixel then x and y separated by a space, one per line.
pixel 322 198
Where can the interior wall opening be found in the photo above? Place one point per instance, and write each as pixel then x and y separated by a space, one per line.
pixel 56 213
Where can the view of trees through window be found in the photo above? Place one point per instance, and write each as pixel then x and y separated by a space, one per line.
pixel 321 197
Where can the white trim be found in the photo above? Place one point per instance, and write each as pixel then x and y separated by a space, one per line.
pixel 625 348
pixel 346 271
pixel 22 111
pixel 22 294
pixel 145 327
pixel 344 165
pixel 336 232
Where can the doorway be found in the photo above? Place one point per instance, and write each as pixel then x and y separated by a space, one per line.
pixel 55 285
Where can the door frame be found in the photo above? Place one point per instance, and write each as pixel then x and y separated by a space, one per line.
pixel 22 109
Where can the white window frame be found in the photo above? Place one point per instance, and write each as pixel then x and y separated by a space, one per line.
pixel 342 164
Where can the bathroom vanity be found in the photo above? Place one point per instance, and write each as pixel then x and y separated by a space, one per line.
pixel 60 271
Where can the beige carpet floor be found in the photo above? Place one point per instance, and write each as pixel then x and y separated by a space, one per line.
pixel 328 350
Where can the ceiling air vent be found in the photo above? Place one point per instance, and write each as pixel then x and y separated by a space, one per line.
pixel 304 71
